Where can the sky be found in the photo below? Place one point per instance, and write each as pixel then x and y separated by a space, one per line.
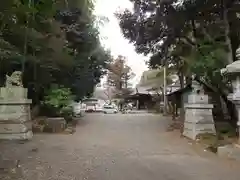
pixel 112 38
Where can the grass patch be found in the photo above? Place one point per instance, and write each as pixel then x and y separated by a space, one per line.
pixel 225 135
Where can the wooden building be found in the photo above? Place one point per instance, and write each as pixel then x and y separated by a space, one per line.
pixel 178 98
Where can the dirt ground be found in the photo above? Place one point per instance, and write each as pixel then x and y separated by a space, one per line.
pixel 114 147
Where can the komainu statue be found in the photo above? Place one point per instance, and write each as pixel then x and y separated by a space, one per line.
pixel 14 80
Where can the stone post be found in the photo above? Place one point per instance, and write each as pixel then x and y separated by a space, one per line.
pixel 198 114
pixel 233 72
pixel 15 118
pixel 137 105
pixel 235 98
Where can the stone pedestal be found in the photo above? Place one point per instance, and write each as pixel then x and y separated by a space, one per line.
pixel 232 71
pixel 15 118
pixel 55 125
pixel 198 116
pixel 236 100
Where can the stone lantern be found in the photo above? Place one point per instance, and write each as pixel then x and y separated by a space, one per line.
pixel 15 117
pixel 233 72
pixel 198 113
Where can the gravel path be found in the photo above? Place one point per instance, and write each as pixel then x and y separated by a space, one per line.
pixel 116 147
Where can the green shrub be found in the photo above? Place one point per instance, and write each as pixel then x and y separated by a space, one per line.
pixel 58 101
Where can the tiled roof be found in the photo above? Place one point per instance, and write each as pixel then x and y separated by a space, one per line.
pixel 153 79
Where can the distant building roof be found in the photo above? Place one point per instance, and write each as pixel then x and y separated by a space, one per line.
pixel 103 93
pixel 153 79
pixel 140 90
pixel 180 91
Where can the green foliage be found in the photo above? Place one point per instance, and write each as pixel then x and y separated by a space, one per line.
pixel 59 99
pixel 195 37
pixel 53 42
pixel 207 59
pixel 197 43
pixel 153 28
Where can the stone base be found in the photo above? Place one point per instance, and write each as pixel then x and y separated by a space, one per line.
pixel 15 119
pixel 55 125
pixel 17 136
pixel 15 128
pixel 13 93
pixel 202 99
pixel 193 130
pixel 229 151
pixel 198 120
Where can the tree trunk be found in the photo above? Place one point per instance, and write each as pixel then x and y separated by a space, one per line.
pixel 181 79
pixel 230 106
pixel 227 31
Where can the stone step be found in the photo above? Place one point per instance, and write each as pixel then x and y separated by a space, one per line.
pixel 229 151
pixel 15 128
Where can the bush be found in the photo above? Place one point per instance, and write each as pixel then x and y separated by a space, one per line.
pixel 58 101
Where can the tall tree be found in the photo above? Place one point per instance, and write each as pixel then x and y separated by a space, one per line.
pixel 119 74
pixel 198 36
pixel 52 42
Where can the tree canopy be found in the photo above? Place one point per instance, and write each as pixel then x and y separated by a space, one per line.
pixel 119 76
pixel 52 42
pixel 197 37
pixel 167 28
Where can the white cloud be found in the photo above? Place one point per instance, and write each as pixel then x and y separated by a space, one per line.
pixel 113 39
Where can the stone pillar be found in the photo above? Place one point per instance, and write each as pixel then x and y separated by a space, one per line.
pixel 236 100
pixel 198 116
pixel 137 105
pixel 15 118
pixel 233 73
